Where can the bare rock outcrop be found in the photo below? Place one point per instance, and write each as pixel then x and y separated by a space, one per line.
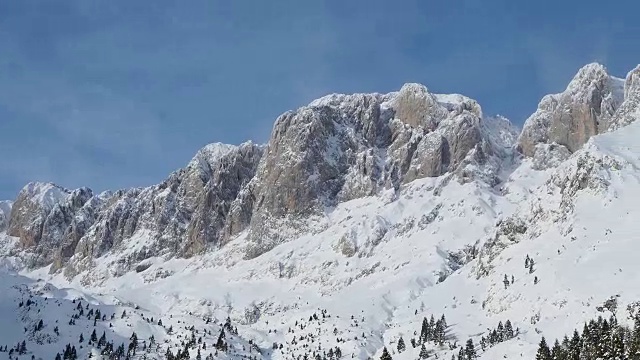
pixel 342 147
pixel 570 118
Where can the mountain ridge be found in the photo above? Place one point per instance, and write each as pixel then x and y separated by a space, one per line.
pixel 371 245
pixel 338 148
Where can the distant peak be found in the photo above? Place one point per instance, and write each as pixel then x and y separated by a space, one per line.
pixel 632 81
pixel 45 193
pixel 37 187
pixel 589 76
pixel 414 88
pixel 592 68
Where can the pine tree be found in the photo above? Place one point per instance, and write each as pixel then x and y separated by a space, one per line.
pixel 506 281
pixel 508 330
pixel 438 332
pixel 81 339
pixel 617 344
pixel 634 341
pixel 557 353
pixel 103 339
pixel 423 352
pixel 385 354
pixel 575 345
pixel 500 331
pixel 94 336
pixel 220 344
pixel 401 345
pixel 424 331
pixel 588 340
pixel 543 351
pixel 470 350
pixel 432 328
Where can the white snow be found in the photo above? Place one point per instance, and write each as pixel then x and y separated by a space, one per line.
pixel 47 194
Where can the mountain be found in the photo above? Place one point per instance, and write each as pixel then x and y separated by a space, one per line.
pixel 361 216
pixel 336 149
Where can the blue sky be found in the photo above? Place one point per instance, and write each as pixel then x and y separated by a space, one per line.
pixel 112 94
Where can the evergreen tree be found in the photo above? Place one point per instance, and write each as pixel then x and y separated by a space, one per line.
pixel 432 328
pixel 220 344
pixel 557 353
pixel 634 341
pixel 423 352
pixel 617 344
pixel 470 350
pixel 103 339
pixel 81 339
pixel 508 330
pixel 401 345
pixel 500 331
pixel 543 351
pixel 385 354
pixel 575 346
pixel 506 281
pixel 424 331
pixel 438 332
pixel 588 341
pixel 495 337
pixel 94 336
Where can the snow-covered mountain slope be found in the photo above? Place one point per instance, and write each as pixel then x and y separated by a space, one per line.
pixel 362 216
pixel 380 262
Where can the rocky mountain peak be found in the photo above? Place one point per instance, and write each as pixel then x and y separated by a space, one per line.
pixel 629 110
pixel 342 147
pixel 632 82
pixel 570 118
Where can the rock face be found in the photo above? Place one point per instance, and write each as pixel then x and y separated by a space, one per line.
pixel 5 214
pixel 570 118
pixel 182 216
pixel 46 217
pixel 629 111
pixel 337 148
pixel 342 147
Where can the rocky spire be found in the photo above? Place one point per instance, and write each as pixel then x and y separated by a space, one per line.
pixel 570 118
